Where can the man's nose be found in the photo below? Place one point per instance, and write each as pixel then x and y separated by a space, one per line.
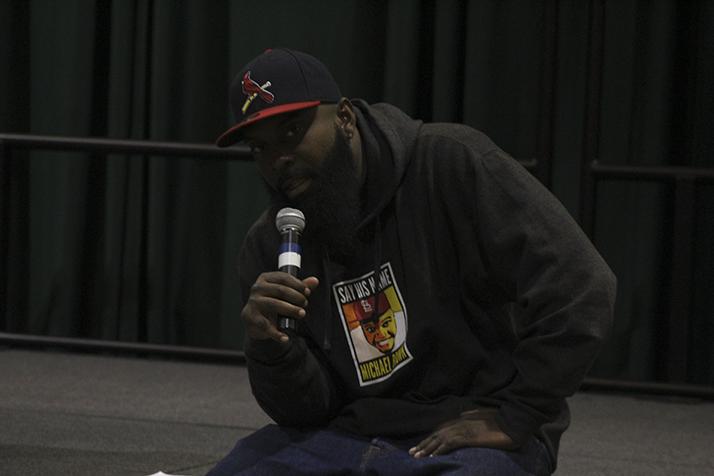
pixel 281 161
pixel 277 157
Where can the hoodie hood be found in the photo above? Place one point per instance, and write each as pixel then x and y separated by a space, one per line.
pixel 388 137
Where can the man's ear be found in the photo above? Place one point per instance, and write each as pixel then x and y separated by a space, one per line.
pixel 346 119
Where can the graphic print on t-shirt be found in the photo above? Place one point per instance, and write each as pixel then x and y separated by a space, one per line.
pixel 374 319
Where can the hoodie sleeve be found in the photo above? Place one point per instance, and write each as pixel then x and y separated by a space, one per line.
pixel 287 380
pixel 531 249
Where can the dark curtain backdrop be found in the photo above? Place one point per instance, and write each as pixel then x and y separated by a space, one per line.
pixel 144 248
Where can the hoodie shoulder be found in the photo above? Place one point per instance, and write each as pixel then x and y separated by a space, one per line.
pixel 401 130
pixel 468 137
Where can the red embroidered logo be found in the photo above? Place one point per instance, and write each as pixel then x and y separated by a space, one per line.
pixel 253 90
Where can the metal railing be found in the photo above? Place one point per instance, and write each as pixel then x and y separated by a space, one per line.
pixel 120 146
pixel 683 178
pixel 14 142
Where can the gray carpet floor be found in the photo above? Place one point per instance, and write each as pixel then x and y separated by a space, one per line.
pixel 87 414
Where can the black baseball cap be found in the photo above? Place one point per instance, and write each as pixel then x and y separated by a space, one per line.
pixel 278 81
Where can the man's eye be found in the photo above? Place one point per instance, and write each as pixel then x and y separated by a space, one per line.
pixel 293 131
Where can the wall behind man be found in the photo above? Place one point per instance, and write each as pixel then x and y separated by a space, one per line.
pixel 144 248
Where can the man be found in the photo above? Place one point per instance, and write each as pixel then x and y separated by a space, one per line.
pixel 500 302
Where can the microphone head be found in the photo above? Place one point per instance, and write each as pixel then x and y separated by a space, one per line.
pixel 290 219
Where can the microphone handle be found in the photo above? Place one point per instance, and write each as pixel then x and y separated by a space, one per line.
pixel 289 259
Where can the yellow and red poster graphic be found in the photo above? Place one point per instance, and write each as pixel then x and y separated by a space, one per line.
pixel 374 319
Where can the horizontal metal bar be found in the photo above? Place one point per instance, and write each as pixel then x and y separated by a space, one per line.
pixel 651 388
pixel 187 352
pixel 661 173
pixel 529 164
pixel 121 146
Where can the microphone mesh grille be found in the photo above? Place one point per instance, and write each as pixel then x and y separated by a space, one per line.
pixel 290 218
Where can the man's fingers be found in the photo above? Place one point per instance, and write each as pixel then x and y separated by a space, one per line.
pixel 311 284
pixel 470 430
pixel 260 315
pixel 285 279
pixel 427 446
pixel 275 294
pixel 444 448
pixel 283 286
pixel 270 331
pixel 260 327
pixel 273 307
pixel 280 292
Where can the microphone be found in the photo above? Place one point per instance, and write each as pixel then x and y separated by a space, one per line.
pixel 290 223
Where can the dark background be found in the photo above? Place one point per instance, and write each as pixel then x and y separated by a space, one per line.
pixel 143 249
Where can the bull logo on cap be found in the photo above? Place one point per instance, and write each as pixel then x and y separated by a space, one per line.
pixel 377 322
pixel 253 90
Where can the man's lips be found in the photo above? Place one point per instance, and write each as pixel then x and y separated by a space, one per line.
pixel 294 186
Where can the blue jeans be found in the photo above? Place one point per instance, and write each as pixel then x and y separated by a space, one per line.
pixel 276 450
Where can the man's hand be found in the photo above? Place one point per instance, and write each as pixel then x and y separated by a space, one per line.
pixel 273 294
pixel 474 428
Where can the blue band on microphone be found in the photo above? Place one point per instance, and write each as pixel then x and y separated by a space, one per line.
pixel 290 248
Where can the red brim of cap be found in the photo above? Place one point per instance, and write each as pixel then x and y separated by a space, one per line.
pixel 232 135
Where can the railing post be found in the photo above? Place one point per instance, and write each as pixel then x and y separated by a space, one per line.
pixel 4 223
pixel 588 197
pixel 591 127
pixel 680 280
pixel 544 166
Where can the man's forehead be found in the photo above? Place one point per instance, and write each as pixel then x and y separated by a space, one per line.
pixel 271 125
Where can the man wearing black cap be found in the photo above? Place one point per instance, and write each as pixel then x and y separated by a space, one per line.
pixel 498 301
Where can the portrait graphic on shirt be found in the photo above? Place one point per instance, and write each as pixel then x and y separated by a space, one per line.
pixel 374 319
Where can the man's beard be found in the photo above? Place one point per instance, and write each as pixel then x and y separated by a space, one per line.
pixel 331 203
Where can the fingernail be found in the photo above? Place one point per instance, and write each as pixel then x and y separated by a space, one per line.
pixel 284 338
pixel 302 313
